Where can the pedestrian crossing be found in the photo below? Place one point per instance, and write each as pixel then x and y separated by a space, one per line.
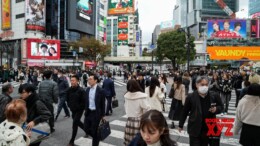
pixel 116 138
pixel 15 84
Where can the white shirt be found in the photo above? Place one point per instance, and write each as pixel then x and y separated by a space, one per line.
pixel 92 94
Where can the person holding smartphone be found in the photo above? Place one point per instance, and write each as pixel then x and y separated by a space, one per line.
pixel 201 105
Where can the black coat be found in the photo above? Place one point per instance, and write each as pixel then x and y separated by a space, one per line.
pixel 36 109
pixel 63 86
pixel 4 100
pixel 109 87
pixel 99 102
pixel 76 98
pixel 192 105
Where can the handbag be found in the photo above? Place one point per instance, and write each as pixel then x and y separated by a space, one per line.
pixel 114 103
pixel 40 132
pixel 104 129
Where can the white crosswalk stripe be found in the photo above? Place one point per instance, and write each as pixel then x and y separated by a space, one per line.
pixel 117 131
pixel 15 84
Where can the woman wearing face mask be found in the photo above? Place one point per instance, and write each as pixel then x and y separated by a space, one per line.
pixel 154 131
pixel 201 105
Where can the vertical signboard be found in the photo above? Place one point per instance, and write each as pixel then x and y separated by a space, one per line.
pixel 6 14
pixel 122 30
pixel 255 30
pixel 35 15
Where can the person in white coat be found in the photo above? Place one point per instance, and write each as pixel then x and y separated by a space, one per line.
pixel 135 106
pixel 12 133
pixel 155 94
pixel 248 117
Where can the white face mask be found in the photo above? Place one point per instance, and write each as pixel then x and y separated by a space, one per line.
pixel 203 89
pixel 59 76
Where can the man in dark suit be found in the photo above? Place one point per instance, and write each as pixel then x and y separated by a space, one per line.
pixel 109 88
pixel 95 108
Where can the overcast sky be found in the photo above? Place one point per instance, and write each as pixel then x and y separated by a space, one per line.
pixel 153 12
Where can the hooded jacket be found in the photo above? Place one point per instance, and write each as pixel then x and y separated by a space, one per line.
pixel 136 104
pixel 36 110
pixel 12 135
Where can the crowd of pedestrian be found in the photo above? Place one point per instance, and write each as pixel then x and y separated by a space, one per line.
pixel 80 94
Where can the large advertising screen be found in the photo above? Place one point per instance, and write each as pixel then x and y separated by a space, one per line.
pixel 255 28
pixel 234 52
pixel 85 10
pixel 122 30
pixel 43 49
pixel 81 16
pixel 225 29
pixel 35 15
pixel 6 14
pixel 116 7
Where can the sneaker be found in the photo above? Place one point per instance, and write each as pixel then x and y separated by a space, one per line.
pixel 172 126
pixel 222 114
pixel 225 113
pixel 52 130
pixel 66 116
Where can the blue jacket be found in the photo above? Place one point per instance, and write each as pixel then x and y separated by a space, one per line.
pixel 109 87
pixel 63 86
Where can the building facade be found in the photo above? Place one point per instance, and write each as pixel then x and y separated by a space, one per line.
pixel 254 9
pixel 25 32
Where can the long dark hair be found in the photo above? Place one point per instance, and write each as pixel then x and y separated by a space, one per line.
pixel 178 82
pixel 154 119
pixel 133 86
pixel 154 82
pixel 163 76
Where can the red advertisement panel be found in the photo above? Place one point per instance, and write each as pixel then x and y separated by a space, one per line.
pixel 43 49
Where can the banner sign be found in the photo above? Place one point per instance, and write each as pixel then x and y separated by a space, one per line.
pixel 234 52
pixel 255 29
pixel 35 15
pixel 122 30
pixel 225 29
pixel 116 7
pixel 6 14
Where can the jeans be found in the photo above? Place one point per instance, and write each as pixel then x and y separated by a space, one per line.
pixel 225 99
pixel 109 104
pixel 76 116
pixel 62 104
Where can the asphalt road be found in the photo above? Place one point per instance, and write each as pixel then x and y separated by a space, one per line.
pixel 117 120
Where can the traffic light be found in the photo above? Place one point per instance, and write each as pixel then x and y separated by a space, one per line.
pixel 208 58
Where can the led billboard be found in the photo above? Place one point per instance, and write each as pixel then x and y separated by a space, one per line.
pixel 35 15
pixel 234 52
pixel 43 49
pixel 122 30
pixel 255 29
pixel 225 29
pixel 81 16
pixel 6 14
pixel 85 10
pixel 116 7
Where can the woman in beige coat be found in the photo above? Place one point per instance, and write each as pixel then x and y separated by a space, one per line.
pixel 135 105
pixel 155 94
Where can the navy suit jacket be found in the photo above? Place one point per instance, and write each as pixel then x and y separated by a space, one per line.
pixel 99 102
pixel 109 87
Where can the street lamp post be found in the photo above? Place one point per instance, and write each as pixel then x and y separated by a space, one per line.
pixel 1 51
pixel 188 46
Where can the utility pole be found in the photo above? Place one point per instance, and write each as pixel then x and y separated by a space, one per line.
pixel 188 49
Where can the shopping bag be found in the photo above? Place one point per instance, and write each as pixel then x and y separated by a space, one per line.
pixel 104 129
pixel 114 103
pixel 40 132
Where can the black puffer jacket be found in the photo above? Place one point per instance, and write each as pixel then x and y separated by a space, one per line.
pixel 76 98
pixel 36 109
pixel 4 100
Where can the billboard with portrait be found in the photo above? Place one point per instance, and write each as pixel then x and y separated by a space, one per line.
pixel 85 10
pixel 43 49
pixel 117 7
pixel 6 14
pixel 226 29
pixel 35 15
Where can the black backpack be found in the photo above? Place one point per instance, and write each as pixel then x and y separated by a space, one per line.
pixel 4 100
